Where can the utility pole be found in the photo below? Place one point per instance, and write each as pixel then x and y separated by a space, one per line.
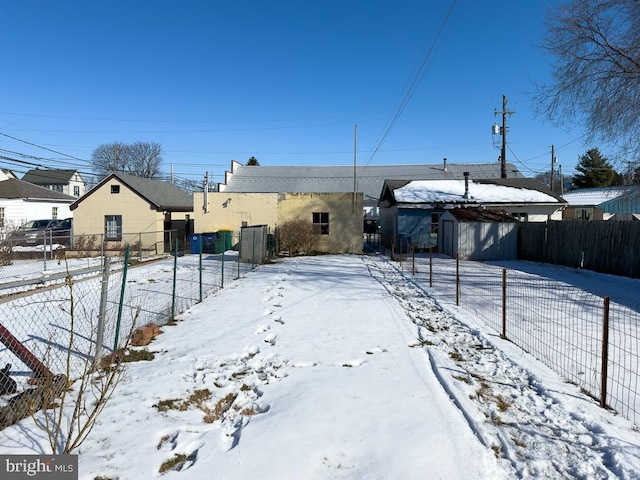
pixel 355 181
pixel 561 180
pixel 553 163
pixel 205 191
pixel 503 131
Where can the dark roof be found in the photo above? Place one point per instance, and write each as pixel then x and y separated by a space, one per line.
pixel 14 188
pixel 370 178
pixel 479 215
pixel 48 177
pixel 161 195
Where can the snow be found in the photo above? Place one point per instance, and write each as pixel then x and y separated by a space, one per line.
pixel 431 191
pixel 594 196
pixel 341 366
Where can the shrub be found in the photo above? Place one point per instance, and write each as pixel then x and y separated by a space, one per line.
pixel 297 237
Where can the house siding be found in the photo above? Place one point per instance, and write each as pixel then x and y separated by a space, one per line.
pixel 18 211
pixel 477 240
pixel 346 224
pixel 229 211
pixel 140 221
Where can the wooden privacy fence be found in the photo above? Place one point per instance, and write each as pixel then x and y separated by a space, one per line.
pixel 591 341
pixel 601 246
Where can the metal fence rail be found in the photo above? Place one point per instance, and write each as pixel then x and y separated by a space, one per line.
pixel 567 328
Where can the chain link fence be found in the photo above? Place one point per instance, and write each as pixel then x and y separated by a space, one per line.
pixel 60 314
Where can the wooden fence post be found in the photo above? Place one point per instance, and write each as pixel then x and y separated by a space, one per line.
pixel 504 303
pixel 457 279
pixel 430 266
pixel 605 353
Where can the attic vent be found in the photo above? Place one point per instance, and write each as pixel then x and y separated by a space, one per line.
pixel 115 188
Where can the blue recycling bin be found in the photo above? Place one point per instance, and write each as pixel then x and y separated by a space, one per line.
pixel 194 242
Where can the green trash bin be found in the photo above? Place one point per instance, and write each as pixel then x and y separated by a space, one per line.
pixel 226 239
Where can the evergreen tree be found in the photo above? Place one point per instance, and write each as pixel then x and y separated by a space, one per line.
pixel 594 170
pixel 253 161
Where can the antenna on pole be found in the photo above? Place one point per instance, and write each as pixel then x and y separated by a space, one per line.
pixel 503 130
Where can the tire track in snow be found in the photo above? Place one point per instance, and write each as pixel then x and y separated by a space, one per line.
pixel 508 408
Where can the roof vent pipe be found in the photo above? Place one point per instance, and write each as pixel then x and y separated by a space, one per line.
pixel 466 195
pixel 444 164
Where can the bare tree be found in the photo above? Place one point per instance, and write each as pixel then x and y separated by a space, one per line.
pixel 142 159
pixel 595 76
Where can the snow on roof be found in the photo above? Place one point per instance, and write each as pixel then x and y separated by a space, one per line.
pixel 438 191
pixel 594 196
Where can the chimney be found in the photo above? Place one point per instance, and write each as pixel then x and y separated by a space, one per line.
pixel 466 195
pixel 444 164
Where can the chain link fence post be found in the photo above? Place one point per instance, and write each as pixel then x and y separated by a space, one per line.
pixel 121 302
pixel 103 310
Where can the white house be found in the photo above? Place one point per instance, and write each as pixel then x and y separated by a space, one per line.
pixel 23 201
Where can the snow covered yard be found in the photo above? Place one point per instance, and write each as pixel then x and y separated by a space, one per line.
pixel 343 367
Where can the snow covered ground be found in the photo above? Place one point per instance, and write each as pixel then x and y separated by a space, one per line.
pixel 342 367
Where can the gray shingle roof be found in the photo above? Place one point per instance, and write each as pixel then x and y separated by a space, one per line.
pixel 162 195
pixel 370 179
pixel 48 177
pixel 14 188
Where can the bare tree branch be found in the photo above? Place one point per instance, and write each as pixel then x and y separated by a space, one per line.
pixel 595 77
pixel 142 159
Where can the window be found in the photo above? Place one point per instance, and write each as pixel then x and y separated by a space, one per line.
pixel 76 190
pixel 54 212
pixel 583 214
pixel 1 217
pixel 115 188
pixel 113 227
pixel 321 222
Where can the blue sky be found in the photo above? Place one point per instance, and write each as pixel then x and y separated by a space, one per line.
pixel 284 81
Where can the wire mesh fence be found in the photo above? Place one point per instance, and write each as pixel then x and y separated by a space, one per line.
pixel 591 340
pixel 58 318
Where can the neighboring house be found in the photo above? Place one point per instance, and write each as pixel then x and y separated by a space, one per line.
pixel 125 209
pixel 410 210
pixel 367 179
pixel 337 215
pixel 6 173
pixel 69 182
pixel 22 201
pixel 605 203
pixel 476 234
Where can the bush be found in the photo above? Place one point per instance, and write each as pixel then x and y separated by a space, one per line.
pixel 297 237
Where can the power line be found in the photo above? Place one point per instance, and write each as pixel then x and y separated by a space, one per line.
pixel 40 146
pixel 413 84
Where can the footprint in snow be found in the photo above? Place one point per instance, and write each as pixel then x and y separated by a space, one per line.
pixel 262 329
pixel 270 339
pixel 354 363
pixel 278 319
pixel 373 351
